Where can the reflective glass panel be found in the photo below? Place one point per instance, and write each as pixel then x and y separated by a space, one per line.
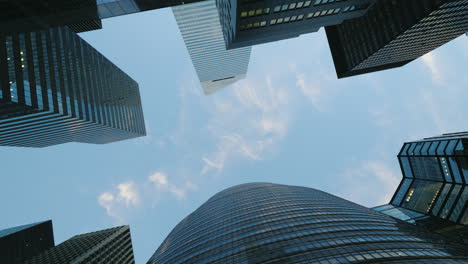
pixel 441 148
pixel 451 147
pixel 426 168
pixel 450 201
pixel 459 205
pixel 406 167
pixel 402 191
pixel 433 148
pixel 441 199
pixel 421 195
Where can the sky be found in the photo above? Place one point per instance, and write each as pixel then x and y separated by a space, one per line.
pixel 291 121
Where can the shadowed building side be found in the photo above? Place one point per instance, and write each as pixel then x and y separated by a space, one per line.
pixel 393 33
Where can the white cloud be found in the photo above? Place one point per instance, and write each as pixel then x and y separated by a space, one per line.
pixel 159 178
pixel 106 200
pixel 123 197
pixel 162 184
pixel 247 123
pixel 430 61
pixel 311 90
pixel 128 193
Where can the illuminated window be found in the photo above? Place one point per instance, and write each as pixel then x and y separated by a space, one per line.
pixel 243 14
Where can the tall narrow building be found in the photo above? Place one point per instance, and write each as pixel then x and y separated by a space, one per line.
pixel 270 223
pixel 55 88
pixel 248 23
pixel 393 33
pixel 434 191
pixel 216 67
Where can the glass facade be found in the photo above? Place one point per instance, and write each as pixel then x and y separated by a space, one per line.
pixel 201 30
pixel 248 23
pixel 20 243
pixel 435 177
pixel 112 245
pixel 56 88
pixel 270 223
pixel 394 33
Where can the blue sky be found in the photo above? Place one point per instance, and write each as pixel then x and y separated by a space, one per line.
pixel 290 121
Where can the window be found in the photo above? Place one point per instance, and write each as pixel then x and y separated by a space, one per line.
pixel 251 12
pixel 286 19
pixel 293 18
pixel 323 12
pixel 330 11
pixel 284 7
pixel 279 21
pixel 310 15
pixel 258 12
pixel 276 9
pixel 243 14
pixel 263 23
pixel 300 4
pixel 307 3
pixel 292 6
pixel 273 21
pixel 300 17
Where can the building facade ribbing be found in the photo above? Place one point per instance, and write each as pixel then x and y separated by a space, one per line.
pixel 216 67
pixel 112 245
pixel 79 15
pixel 270 223
pixel 395 32
pixel 56 88
pixel 248 23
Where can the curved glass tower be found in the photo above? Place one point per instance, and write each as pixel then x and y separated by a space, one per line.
pixel 270 223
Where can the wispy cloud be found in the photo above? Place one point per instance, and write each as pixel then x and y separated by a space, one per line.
pixel 430 61
pixel 125 195
pixel 385 180
pixel 311 90
pixel 251 119
pixel 162 184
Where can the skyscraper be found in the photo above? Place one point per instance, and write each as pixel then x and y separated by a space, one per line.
pixel 56 88
pixel 112 245
pixel 78 15
pixel 18 244
pixel 393 33
pixel 270 223
pixel 435 177
pixel 248 23
pixel 201 30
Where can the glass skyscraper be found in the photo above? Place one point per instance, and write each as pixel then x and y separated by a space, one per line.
pixel 20 243
pixel 248 23
pixel 435 177
pixel 201 30
pixel 113 245
pixel 271 223
pixel 395 32
pixel 34 244
pixel 56 88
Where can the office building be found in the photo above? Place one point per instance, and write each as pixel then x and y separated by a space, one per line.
pixel 393 33
pixel 112 245
pixel 216 67
pixel 247 23
pixel 18 244
pixel 34 244
pixel 434 191
pixel 271 223
pixel 56 88
pixel 78 15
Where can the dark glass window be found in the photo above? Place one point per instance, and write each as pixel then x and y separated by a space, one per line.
pixel 421 195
